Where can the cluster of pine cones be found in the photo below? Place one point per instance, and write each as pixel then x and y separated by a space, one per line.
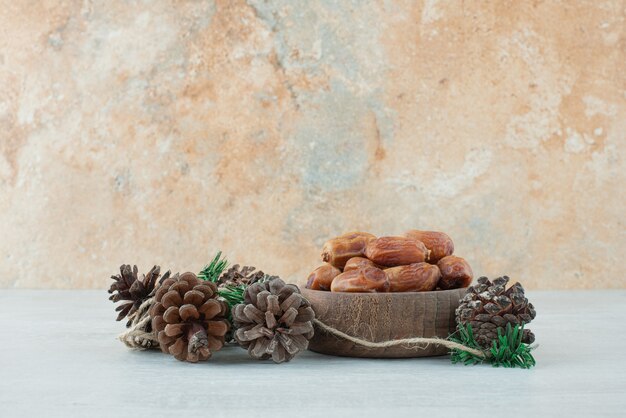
pixel 189 320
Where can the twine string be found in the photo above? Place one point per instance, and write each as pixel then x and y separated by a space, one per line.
pixel 137 336
pixel 414 343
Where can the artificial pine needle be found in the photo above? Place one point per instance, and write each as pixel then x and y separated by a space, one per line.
pixel 232 294
pixel 214 269
pixel 507 350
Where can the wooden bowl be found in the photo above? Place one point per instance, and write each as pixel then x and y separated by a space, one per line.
pixel 382 317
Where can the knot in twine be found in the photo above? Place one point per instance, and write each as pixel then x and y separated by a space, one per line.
pixel 417 343
pixel 137 335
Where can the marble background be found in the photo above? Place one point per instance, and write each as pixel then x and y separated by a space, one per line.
pixel 156 132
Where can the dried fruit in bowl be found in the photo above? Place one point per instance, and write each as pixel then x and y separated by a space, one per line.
pixel 338 251
pixel 365 280
pixel 359 262
pixel 439 244
pixel 417 277
pixel 322 277
pixel 455 273
pixel 396 251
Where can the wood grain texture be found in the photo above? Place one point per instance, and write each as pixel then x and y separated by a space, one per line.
pixel 381 317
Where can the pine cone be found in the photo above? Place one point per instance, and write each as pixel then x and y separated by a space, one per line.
pixel 237 276
pixel 488 306
pixel 133 291
pixel 274 321
pixel 188 318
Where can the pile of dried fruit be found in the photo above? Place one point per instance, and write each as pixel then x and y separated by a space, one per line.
pixel 419 261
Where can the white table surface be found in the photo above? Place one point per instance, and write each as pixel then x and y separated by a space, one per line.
pixel 59 357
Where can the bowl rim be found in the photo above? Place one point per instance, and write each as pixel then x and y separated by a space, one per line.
pixel 381 294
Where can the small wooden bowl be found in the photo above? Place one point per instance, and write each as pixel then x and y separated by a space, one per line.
pixel 382 317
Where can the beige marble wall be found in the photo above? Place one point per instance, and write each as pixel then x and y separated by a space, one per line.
pixel 157 132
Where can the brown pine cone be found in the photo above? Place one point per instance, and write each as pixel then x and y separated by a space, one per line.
pixel 237 276
pixel 188 318
pixel 128 288
pixel 274 321
pixel 489 306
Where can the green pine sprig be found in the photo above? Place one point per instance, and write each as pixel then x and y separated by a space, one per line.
pixel 212 271
pixel 465 336
pixel 510 351
pixel 233 295
pixel 507 350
